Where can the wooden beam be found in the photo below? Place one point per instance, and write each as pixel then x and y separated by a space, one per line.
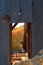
pixel 14 26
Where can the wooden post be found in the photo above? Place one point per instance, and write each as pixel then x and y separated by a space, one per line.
pixel 29 40
pixel 10 42
pixel 28 35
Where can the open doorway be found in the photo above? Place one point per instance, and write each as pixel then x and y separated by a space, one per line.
pixel 17 38
pixel 21 40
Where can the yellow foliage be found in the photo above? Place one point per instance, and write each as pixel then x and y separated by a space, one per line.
pixel 17 36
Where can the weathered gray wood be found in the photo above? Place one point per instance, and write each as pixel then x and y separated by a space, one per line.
pixel 37 27
pixel 4 43
pixel 19 10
